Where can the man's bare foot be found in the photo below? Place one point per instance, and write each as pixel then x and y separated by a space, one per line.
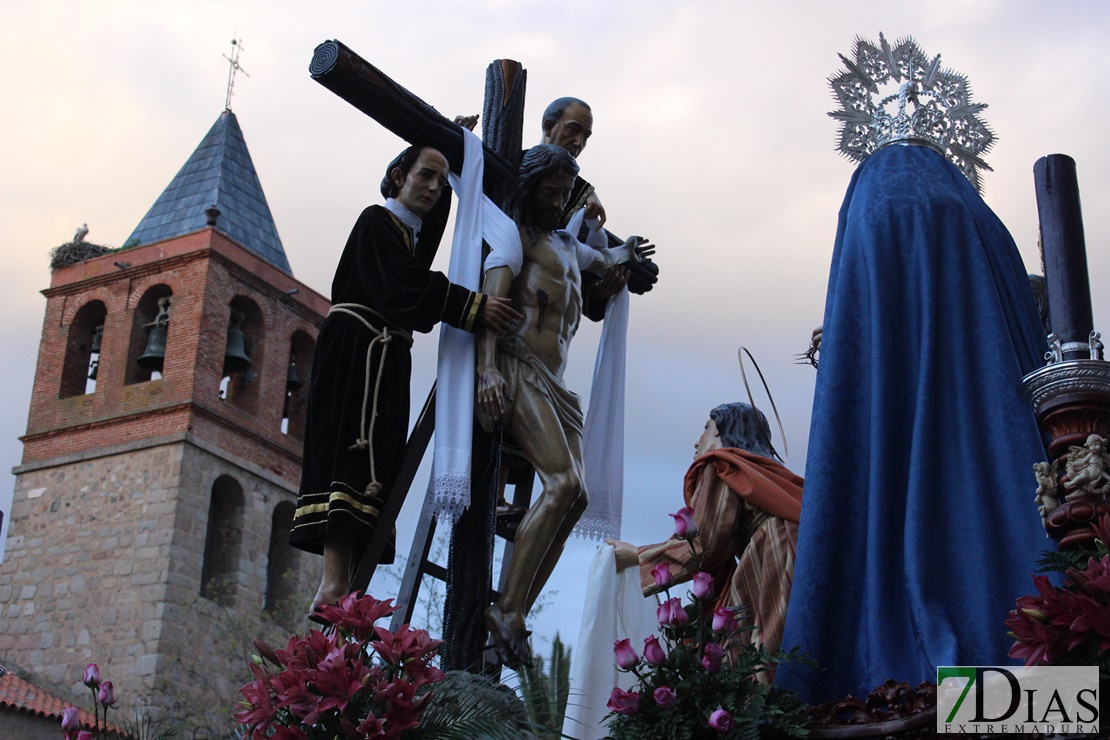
pixel 335 577
pixel 329 593
pixel 510 638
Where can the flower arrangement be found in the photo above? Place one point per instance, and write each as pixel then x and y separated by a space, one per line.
pixel 1070 624
pixel 103 698
pixel 697 681
pixel 356 680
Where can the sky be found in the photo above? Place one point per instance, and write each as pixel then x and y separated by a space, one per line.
pixel 710 137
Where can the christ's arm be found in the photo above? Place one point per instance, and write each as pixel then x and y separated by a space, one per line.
pixel 492 394
pixel 594 259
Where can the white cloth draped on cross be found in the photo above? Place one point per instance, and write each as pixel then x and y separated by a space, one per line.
pixel 477 217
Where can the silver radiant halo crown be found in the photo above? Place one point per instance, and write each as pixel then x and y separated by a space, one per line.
pixel 897 95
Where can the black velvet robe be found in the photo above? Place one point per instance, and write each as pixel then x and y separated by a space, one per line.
pixel 383 270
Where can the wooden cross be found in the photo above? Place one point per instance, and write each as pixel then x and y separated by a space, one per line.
pixel 367 88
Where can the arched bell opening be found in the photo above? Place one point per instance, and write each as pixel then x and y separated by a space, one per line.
pixel 242 354
pixel 150 335
pixel 295 405
pixel 81 366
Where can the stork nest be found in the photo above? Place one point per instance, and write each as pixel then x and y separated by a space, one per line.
pixel 74 253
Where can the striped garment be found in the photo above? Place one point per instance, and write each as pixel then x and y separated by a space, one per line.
pixel 746 507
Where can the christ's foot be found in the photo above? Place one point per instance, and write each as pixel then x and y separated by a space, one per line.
pixel 510 638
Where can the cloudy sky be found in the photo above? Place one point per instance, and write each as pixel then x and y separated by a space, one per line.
pixel 710 138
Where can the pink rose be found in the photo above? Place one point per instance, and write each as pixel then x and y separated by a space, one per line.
pixel 662 574
pixel 702 587
pixel 714 655
pixel 678 613
pixel 624 702
pixel 671 613
pixel 721 721
pixel 626 656
pixel 71 719
pixel 664 697
pixel 653 652
pixel 92 675
pixel 83 735
pixel 724 619
pixel 684 525
pixel 106 695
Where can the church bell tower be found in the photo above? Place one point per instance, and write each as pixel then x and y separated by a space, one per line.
pixel 163 449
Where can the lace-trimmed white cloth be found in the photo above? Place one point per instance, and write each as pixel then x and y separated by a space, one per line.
pixel 476 217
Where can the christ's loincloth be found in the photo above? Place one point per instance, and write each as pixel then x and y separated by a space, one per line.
pixel 525 374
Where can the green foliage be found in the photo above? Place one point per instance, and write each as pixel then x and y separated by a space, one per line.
pixel 1059 561
pixel 148 725
pixel 545 693
pixel 465 706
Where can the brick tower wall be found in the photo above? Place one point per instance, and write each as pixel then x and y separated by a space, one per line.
pixel 145 513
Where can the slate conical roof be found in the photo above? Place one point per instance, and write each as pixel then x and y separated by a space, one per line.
pixel 219 172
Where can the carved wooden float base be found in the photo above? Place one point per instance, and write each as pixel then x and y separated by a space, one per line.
pixel 894 709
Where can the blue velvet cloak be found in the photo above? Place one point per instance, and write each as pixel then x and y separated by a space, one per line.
pixel 918 526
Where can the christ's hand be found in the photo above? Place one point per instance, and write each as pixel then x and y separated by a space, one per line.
pixel 493 394
pixel 637 248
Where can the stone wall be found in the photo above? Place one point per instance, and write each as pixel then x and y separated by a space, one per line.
pixel 104 564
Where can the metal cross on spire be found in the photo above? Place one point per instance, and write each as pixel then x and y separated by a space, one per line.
pixel 236 47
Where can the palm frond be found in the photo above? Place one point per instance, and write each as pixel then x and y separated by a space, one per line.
pixel 465 706
pixel 1059 561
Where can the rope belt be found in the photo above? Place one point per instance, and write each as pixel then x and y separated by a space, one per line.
pixel 384 337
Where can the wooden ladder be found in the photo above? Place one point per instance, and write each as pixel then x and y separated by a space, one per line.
pixel 515 471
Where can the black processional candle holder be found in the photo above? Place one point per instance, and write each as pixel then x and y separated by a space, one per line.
pixel 1071 394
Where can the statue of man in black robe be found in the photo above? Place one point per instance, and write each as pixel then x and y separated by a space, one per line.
pixel 358 408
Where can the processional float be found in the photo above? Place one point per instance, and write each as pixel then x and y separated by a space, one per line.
pixel 1071 394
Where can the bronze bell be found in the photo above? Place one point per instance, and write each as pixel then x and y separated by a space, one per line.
pixel 155 353
pixel 236 358
pixel 94 349
pixel 293 381
pixel 97 337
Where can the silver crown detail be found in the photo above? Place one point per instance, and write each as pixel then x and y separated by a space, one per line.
pixel 918 103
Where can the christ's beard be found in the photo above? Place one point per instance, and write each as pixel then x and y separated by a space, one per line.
pixel 546 219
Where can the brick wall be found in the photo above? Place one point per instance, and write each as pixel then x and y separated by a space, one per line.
pixel 112 503
pixel 205 272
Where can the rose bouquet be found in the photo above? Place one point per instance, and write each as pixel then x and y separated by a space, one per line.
pixel 697 679
pixel 103 695
pixel 77 727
